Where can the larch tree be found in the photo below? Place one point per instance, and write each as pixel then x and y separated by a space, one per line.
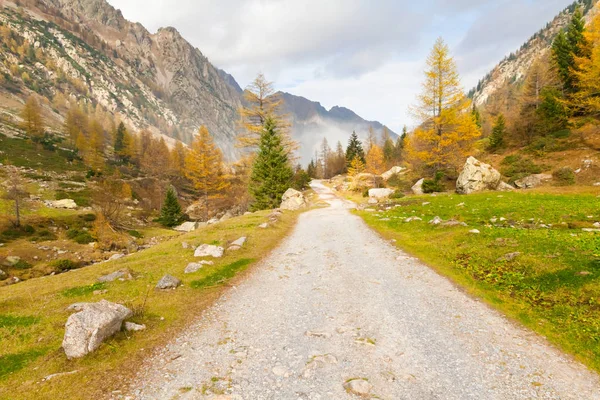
pixel 375 162
pixel 33 123
pixel 204 167
pixel 271 173
pixel 357 166
pixel 448 130
pixel 261 103
pixel 177 159
pixel 371 139
pixel 586 100
pixel 16 191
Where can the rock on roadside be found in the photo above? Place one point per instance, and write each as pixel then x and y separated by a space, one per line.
pixel 168 282
pixel 87 329
pixel 209 250
pixel 359 387
pixel 293 200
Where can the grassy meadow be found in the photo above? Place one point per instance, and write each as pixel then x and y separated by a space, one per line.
pixel 33 313
pixel 552 286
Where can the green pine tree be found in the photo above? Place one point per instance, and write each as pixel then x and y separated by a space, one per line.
pixel 170 213
pixel 355 149
pixel 566 47
pixel 271 173
pixel 120 139
pixel 476 116
pixel 498 132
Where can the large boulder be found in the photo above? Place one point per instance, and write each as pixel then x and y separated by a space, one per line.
pixel 418 187
pixel 187 227
pixel 293 200
pixel 11 261
pixel 532 181
pixel 67 204
pixel 393 171
pixel 380 193
pixel 476 177
pixel 209 250
pixel 87 329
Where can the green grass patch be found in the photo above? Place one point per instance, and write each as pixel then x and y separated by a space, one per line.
pixel 8 321
pixel 11 363
pixel 222 274
pixel 82 198
pixel 553 286
pixel 80 236
pixel 81 291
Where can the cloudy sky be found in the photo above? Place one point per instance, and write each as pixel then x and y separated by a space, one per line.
pixel 367 55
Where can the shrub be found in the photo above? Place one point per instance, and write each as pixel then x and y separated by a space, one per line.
pixel 564 176
pixel 64 265
pixel 22 265
pixel 365 192
pixel 516 167
pixel 81 237
pixel 435 185
pixel 135 234
pixel 398 194
pixel 43 236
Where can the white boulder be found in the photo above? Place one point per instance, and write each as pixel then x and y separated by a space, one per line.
pixel 67 204
pixel 87 329
pixel 209 250
pixel 418 187
pixel 476 177
pixel 187 227
pixel 168 282
pixel 532 181
pixel 293 200
pixel 393 171
pixel 380 193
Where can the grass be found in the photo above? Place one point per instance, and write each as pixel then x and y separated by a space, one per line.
pixel 33 313
pixel 553 287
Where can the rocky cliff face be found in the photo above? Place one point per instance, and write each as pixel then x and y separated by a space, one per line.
pixel 514 68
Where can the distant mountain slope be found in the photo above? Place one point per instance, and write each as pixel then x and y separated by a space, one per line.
pixel 514 68
pixel 311 123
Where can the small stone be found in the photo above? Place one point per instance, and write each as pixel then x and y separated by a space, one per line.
pixel 123 274
pixel 411 219
pixel 240 242
pixel 99 292
pixel 133 327
pixel 452 223
pixel 373 201
pixel 359 387
pixel 475 231
pixel 116 256
pixel 168 282
pixel 590 230
pixel 509 257
pixel 426 203
pixel 185 245
pixel 323 335
pixel 209 250
pixel 597 225
pixel 193 267
pixel 233 248
pixel 436 221
pixel 584 273
pixel 263 226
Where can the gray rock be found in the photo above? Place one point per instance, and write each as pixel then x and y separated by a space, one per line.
pixel 240 242
pixel 86 330
pixel 187 227
pixel 185 245
pixel 475 231
pixel 76 307
pixel 436 221
pixel 505 187
pixel 226 216
pixel 393 171
pixel 532 181
pixel 209 250
pixel 453 222
pixel 411 219
pixel 590 230
pixel 359 387
pixel 3 275
pixel 293 200
pixel 67 204
pixel 196 266
pixel 11 261
pixel 373 201
pixel 418 187
pixel 133 327
pixel 123 275
pixel 380 193
pixel 168 282
pixel 234 248
pixel 212 221
pixel 509 257
pixel 116 257
pixel 263 226
pixel 476 177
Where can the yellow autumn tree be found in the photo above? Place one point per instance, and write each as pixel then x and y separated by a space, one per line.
pixel 448 129
pixel 261 102
pixel 33 124
pixel 204 167
pixel 587 72
pixel 94 157
pixel 356 167
pixel 375 160
pixel 177 159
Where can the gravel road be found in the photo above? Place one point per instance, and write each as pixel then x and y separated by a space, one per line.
pixel 334 304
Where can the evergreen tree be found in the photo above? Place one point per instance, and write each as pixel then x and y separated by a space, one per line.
pixel 498 132
pixel 355 149
pixel 271 172
pixel 388 147
pixel 119 145
pixel 567 47
pixel 170 213
pixel 476 116
pixel 311 170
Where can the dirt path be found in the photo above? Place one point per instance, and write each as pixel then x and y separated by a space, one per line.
pixel 335 302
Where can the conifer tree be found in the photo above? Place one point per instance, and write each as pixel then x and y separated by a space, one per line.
pixel 170 213
pixel 311 170
pixel 271 172
pixel 357 166
pixel 375 160
pixel 33 123
pixel 498 132
pixel 204 167
pixel 119 145
pixel 354 149
pixel 477 116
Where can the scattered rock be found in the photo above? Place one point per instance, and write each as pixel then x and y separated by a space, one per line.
pixel 504 187
pixel 596 224
pixel 67 204
pixel 11 261
pixel 475 231
pixel 476 177
pixel 411 219
pixel 133 327
pixel 212 221
pixel 532 181
pixel 187 227
pixel 226 216
pixel 185 245
pixel 317 362
pixel 418 187
pixel 52 376
pixel 122 275
pixel 509 257
pixel 452 223
pixel 263 226
pixel 116 257
pixel 234 248
pixel 293 200
pixel 168 282
pixel 359 387
pixel 393 171
pixel 87 329
pixel 590 230
pixel 193 267
pixel 584 273
pixel 436 221
pixel 380 193
pixel 99 292
pixel 209 250
pixel 373 201
pixel 240 242
pixel 77 307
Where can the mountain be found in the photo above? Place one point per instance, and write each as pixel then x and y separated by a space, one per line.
pixel 513 68
pixel 86 51
pixel 311 123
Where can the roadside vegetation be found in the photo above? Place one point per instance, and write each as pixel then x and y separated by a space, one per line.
pixel 536 258
pixel 33 313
